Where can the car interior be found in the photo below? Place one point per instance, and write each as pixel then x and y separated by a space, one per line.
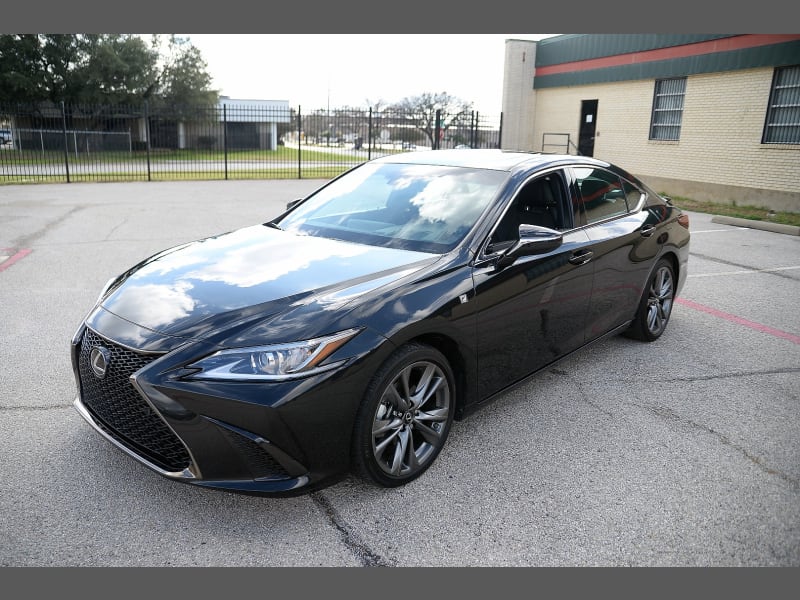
pixel 539 202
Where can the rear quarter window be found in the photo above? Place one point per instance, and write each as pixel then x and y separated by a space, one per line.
pixel 601 193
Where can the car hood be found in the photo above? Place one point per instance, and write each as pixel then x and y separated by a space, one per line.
pixel 234 280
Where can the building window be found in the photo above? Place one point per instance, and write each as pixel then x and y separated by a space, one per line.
pixel 783 115
pixel 665 123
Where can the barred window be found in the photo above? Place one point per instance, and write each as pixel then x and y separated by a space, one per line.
pixel 783 115
pixel 665 124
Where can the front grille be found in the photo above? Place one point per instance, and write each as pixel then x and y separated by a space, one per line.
pixel 121 410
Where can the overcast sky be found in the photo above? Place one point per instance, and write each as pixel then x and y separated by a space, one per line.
pixel 358 69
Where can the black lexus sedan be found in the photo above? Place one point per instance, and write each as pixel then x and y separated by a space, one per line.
pixel 346 334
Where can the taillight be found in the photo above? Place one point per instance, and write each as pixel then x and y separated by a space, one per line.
pixel 684 220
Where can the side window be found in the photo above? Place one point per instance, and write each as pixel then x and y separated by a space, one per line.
pixel 540 202
pixel 601 193
pixel 632 194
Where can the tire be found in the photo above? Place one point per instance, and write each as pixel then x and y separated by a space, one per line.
pixel 405 416
pixel 655 307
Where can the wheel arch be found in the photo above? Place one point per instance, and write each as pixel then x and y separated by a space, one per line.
pixel 672 257
pixel 452 352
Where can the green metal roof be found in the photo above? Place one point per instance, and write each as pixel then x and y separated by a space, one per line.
pixel 573 47
pixel 776 55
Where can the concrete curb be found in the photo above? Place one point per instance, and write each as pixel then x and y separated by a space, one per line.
pixel 763 225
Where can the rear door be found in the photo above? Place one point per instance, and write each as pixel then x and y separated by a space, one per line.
pixel 621 244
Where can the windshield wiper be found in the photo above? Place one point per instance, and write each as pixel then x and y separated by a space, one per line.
pixel 274 225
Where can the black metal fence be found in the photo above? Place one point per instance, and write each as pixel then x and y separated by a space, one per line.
pixel 65 143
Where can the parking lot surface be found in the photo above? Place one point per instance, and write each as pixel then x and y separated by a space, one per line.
pixel 680 452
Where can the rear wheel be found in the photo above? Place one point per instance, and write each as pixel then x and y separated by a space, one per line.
pixel 405 416
pixel 655 307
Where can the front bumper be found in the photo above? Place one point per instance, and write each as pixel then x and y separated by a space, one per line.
pixel 283 438
pixel 190 473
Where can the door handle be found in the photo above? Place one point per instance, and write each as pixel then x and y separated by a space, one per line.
pixel 647 230
pixel 581 258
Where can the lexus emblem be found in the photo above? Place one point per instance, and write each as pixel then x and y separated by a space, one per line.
pixel 99 358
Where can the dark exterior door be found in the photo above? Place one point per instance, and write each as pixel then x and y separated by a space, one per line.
pixel 587 127
pixel 527 313
pixel 530 312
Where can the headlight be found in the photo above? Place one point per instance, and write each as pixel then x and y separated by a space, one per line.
pixel 274 362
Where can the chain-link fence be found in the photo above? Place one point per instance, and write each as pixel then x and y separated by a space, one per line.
pixel 58 142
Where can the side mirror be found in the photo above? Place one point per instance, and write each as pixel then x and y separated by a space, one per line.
pixel 533 240
pixel 293 203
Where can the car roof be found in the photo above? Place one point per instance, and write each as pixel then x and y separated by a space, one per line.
pixel 495 159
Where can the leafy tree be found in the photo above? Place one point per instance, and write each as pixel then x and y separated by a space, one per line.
pixel 102 69
pixel 63 59
pixel 121 69
pixel 22 77
pixel 420 112
pixel 184 80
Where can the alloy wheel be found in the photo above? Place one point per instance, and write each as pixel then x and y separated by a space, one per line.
pixel 410 422
pixel 659 301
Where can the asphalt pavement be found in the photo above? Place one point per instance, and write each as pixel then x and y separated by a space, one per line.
pixel 683 452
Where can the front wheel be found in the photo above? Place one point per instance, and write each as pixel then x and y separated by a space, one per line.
pixel 405 416
pixel 655 307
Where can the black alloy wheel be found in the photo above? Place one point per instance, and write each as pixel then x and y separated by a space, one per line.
pixel 405 416
pixel 655 306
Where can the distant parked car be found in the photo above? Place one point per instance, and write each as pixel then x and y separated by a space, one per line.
pixel 348 332
pixel 5 137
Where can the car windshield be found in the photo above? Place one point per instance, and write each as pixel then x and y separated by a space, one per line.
pixel 425 208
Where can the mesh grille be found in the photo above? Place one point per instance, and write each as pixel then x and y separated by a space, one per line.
pixel 260 462
pixel 122 412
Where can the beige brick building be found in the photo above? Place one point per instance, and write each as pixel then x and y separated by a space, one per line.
pixel 712 117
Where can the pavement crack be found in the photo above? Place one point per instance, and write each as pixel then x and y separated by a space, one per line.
pixel 670 415
pixel 740 265
pixel 114 229
pixel 33 408
pixel 29 240
pixel 729 375
pixel 365 555
pixel 584 396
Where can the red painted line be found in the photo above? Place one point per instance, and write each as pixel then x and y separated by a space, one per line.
pixel 20 254
pixel 740 321
pixel 738 42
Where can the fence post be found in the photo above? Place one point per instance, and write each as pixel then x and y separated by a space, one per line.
pixel 299 143
pixel 147 137
pixel 438 132
pixel 500 133
pixel 473 130
pixel 369 135
pixel 64 129
pixel 225 136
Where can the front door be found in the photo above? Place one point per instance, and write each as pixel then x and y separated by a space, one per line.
pixel 588 125
pixel 527 311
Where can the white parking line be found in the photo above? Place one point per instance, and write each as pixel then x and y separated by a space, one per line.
pixel 719 230
pixel 747 272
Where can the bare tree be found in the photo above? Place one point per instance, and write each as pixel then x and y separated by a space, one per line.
pixel 421 112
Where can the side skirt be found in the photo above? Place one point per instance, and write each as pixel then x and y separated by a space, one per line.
pixel 480 404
